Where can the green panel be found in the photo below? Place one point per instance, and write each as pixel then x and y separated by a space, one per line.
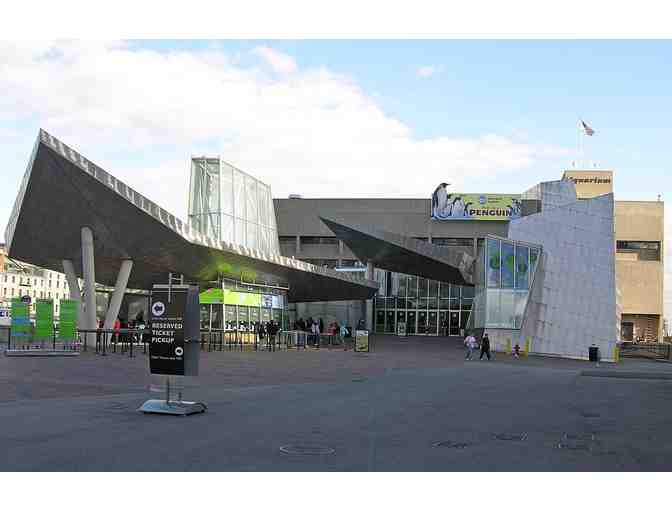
pixel 212 297
pixel 21 328
pixel 44 319
pixel 67 329
pixel 229 297
pixel 241 298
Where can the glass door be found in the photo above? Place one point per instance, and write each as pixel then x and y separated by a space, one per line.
pixel 454 324
pixel 432 323
pixel 443 323
pixel 401 317
pixel 410 323
pixel 390 326
pixel 422 322
pixel 380 321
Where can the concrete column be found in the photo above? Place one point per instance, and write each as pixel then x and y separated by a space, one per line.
pixel 89 271
pixel 75 293
pixel 118 294
pixel 368 308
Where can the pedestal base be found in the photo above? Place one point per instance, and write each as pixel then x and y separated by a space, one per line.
pixel 174 408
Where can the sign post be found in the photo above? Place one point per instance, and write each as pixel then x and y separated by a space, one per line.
pixel 21 327
pixel 44 320
pixel 67 320
pixel 174 346
pixel 361 340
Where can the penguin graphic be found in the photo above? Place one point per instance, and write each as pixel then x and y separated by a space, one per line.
pixel 467 209
pixel 514 208
pixel 457 209
pixel 440 200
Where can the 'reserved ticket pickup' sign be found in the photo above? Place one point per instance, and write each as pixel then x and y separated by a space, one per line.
pixel 166 347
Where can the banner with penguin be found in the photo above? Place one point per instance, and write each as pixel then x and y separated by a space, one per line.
pixel 447 205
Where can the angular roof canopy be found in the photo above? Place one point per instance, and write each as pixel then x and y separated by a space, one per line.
pixel 403 254
pixel 62 191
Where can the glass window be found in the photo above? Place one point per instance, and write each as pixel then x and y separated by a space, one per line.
pixel 231 321
pixel 494 263
pixel 227 229
pixel 252 235
pixel 389 322
pixel 444 290
pixel 380 321
pixel 216 316
pixel 645 250
pixel 306 240
pixel 399 285
pixel 251 198
pixel 413 286
pixel 467 293
pixel 534 256
pixel 240 232
pixel 522 266
pixel 226 176
pixel 433 288
pixel 238 194
pixel 508 265
pixel 205 316
pixel 423 287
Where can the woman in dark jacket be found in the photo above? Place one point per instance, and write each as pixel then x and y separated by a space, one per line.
pixel 485 346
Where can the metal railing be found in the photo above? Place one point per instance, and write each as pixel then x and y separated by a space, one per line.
pixel 129 340
pixel 646 350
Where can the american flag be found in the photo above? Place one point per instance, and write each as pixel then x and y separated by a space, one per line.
pixel 587 129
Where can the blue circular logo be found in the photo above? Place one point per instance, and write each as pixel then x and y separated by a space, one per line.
pixel 482 200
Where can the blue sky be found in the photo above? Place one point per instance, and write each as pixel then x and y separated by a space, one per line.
pixel 348 118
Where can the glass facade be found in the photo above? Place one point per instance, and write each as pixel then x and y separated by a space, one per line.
pixel 427 307
pixel 239 307
pixel 505 272
pixel 228 205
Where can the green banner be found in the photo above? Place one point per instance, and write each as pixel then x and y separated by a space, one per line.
pixel 21 327
pixel 211 297
pixel 67 329
pixel 44 319
pixel 229 297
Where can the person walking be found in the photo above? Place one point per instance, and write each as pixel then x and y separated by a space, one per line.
pixel 470 343
pixel 485 347
pixel 316 334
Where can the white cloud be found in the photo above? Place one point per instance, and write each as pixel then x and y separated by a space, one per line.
pixel 310 131
pixel 280 62
pixel 427 71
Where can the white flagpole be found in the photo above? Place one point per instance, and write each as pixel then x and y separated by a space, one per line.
pixel 579 142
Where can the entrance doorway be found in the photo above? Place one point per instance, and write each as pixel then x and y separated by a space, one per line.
pixel 454 324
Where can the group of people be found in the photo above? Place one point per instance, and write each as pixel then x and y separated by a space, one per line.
pixel 315 328
pixel 267 329
pixel 471 344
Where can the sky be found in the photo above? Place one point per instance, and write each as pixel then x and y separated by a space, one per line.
pixel 344 118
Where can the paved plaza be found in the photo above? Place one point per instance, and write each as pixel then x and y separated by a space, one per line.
pixel 408 405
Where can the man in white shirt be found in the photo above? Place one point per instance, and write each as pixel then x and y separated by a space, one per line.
pixel 470 343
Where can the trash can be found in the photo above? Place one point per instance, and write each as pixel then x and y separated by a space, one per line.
pixel 593 354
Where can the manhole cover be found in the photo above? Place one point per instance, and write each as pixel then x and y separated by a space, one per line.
pixel 450 444
pixel 294 449
pixel 580 436
pixel 573 446
pixel 511 437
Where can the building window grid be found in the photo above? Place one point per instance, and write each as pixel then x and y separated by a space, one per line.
pixel 462 306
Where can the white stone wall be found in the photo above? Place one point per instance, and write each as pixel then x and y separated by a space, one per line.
pixel 573 302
